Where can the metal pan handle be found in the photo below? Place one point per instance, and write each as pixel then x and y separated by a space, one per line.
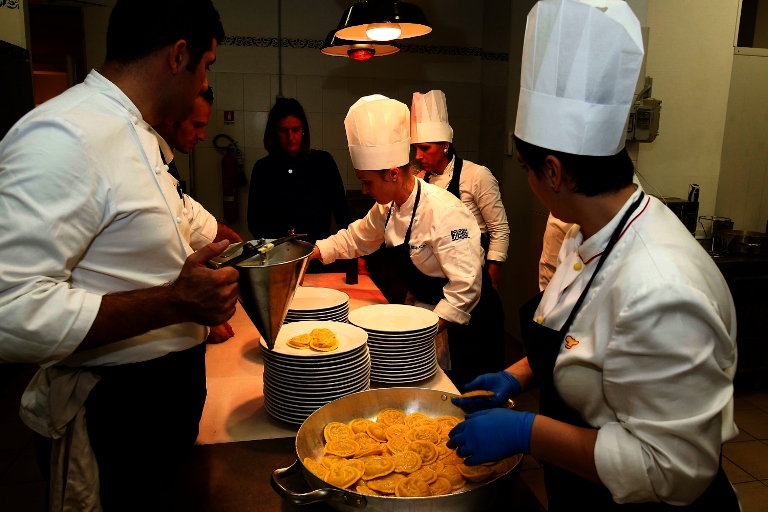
pixel 320 495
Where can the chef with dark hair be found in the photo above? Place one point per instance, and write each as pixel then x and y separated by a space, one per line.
pixel 632 343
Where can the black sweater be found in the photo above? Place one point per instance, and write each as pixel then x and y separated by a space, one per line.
pixel 303 199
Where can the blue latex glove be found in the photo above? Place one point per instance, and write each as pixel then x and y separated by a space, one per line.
pixel 503 384
pixel 492 435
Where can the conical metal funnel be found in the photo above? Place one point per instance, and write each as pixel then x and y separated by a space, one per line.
pixel 268 282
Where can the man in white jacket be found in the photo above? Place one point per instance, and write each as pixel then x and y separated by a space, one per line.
pixel 101 284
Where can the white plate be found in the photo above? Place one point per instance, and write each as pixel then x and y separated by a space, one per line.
pixel 318 315
pixel 396 344
pixel 404 380
pixel 349 336
pixel 330 318
pixel 335 309
pixel 311 298
pixel 312 400
pixel 406 334
pixel 321 364
pixel 389 318
pixel 301 378
pixel 304 374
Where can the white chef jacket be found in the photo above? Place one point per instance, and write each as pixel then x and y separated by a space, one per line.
pixel 445 242
pixel 656 355
pixel 479 191
pixel 87 208
pixel 554 235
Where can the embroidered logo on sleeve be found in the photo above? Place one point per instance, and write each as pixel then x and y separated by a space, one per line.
pixel 570 342
pixel 459 234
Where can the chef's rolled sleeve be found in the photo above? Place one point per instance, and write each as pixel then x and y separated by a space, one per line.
pixel 485 190
pixel 50 210
pixel 663 376
pixel 460 261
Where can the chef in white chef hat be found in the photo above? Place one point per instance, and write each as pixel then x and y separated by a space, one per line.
pixel 427 234
pixel 475 185
pixel 632 343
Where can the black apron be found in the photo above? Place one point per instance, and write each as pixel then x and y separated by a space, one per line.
pixel 542 345
pixel 475 348
pixel 453 188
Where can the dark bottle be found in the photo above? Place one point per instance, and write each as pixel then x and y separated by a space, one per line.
pixel 351 271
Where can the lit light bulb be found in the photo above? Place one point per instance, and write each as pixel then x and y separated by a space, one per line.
pixel 361 52
pixel 383 31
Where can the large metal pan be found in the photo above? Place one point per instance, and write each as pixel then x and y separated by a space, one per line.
pixel 309 443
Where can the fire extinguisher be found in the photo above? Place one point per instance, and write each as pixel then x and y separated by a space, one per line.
pixel 232 176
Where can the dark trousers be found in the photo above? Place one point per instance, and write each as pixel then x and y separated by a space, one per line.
pixel 142 421
pixel 478 347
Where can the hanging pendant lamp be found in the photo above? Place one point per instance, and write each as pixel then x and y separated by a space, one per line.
pixel 356 50
pixel 382 20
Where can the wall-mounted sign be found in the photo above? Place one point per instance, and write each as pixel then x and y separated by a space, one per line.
pixel 229 117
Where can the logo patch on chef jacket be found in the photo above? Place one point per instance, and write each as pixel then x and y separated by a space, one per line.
pixel 570 342
pixel 459 234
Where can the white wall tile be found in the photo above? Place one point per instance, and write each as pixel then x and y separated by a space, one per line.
pixel 466 133
pixel 334 135
pixel 257 92
pixel 336 97
pixel 229 91
pixel 289 87
pixel 341 156
pixel 361 86
pixel 255 123
pixel 309 92
pixel 236 130
pixel 315 120
pixel 207 162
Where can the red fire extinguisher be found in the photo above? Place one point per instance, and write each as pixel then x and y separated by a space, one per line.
pixel 232 176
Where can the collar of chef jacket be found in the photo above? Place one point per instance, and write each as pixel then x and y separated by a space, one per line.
pixel 98 82
pixel 576 250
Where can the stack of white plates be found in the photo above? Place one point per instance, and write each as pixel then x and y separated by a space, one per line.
pixel 318 304
pixel 401 340
pixel 298 382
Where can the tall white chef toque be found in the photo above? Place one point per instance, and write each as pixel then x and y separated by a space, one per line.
pixel 581 61
pixel 378 133
pixel 429 118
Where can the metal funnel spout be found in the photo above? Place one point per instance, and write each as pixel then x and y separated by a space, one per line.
pixel 268 282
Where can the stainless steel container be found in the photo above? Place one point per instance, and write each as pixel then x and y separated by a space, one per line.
pixel 309 443
pixel 746 242
pixel 268 282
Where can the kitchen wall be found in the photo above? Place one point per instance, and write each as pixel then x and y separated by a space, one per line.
pixel 742 193
pixel 245 79
pixel 12 22
pixel 690 57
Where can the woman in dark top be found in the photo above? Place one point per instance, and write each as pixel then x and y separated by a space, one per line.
pixel 295 187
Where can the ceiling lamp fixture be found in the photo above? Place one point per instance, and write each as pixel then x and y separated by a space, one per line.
pixel 356 50
pixel 380 20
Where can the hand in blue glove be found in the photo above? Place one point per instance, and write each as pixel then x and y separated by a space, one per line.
pixel 492 435
pixel 503 384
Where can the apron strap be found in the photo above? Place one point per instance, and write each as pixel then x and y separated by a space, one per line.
pixel 608 248
pixel 413 214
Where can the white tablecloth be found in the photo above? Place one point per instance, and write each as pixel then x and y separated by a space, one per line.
pixel 234 410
